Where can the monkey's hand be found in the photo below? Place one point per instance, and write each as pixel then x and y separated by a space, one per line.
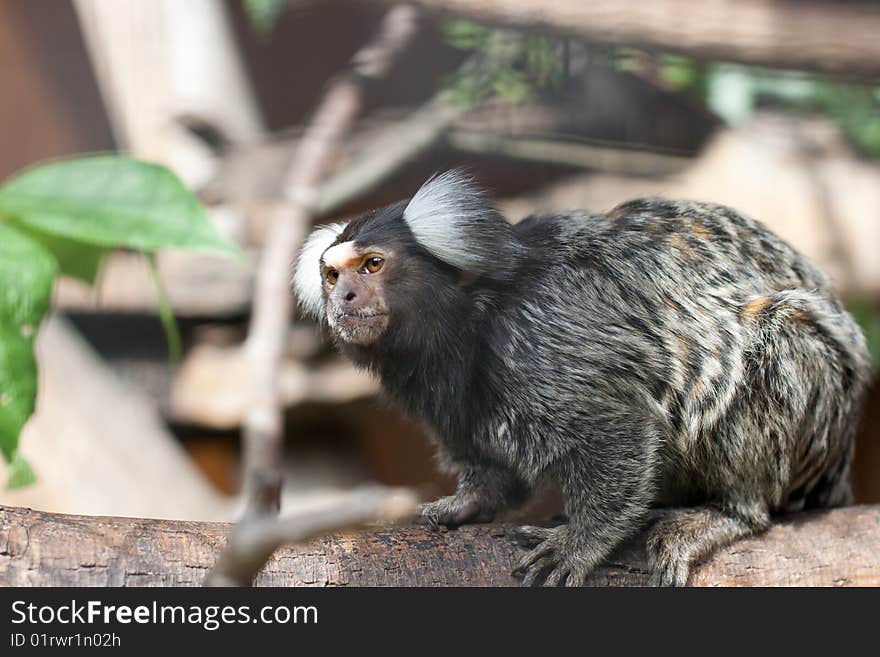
pixel 556 556
pixel 483 491
pixel 458 509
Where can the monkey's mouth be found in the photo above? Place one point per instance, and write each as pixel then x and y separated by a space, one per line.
pixel 361 327
pixel 362 314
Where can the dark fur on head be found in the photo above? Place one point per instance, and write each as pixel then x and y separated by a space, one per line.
pixel 669 353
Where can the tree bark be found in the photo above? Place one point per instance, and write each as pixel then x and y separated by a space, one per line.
pixel 824 36
pixel 829 548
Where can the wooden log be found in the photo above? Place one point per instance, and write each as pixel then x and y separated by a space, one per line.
pixel 829 548
pixel 824 36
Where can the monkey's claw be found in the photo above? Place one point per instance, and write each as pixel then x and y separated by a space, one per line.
pixel 530 536
pixel 551 562
pixel 668 567
pixel 453 511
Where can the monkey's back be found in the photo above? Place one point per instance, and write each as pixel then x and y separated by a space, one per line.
pixel 710 322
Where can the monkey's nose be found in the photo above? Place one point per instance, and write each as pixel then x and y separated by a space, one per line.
pixel 351 296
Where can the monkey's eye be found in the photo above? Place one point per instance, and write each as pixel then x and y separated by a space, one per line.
pixel 332 276
pixel 374 264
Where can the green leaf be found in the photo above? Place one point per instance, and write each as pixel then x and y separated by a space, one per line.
pixel 466 35
pixel 27 271
pixel 263 14
pixel 464 89
pixel 511 87
pixel 76 259
pixel 111 201
pixel 680 73
pixel 20 473
pixel 543 63
pixel 18 388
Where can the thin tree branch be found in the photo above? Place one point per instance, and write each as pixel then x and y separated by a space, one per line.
pixel 272 300
pixel 590 156
pixel 400 143
pixel 256 538
pixel 391 149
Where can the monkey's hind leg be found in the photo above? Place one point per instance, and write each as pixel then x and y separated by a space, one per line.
pixel 682 537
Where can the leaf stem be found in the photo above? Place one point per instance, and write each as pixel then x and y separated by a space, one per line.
pixel 166 314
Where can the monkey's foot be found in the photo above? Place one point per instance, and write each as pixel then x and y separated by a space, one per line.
pixel 682 537
pixel 553 560
pixel 456 510
pixel 670 550
pixel 669 568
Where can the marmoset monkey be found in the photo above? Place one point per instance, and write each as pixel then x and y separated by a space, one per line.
pixel 669 353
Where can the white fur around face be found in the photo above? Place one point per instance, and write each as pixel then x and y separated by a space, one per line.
pixel 439 216
pixel 307 277
pixel 340 255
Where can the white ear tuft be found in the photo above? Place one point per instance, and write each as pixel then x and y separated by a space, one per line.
pixel 307 277
pixel 451 218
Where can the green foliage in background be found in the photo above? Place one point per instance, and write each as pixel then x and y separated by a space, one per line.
pixel 856 111
pixel 513 66
pixel 264 14
pixel 62 218
pixel 734 91
pixel 506 65
pixel 869 319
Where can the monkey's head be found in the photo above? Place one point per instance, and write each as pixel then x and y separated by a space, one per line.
pixel 397 269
